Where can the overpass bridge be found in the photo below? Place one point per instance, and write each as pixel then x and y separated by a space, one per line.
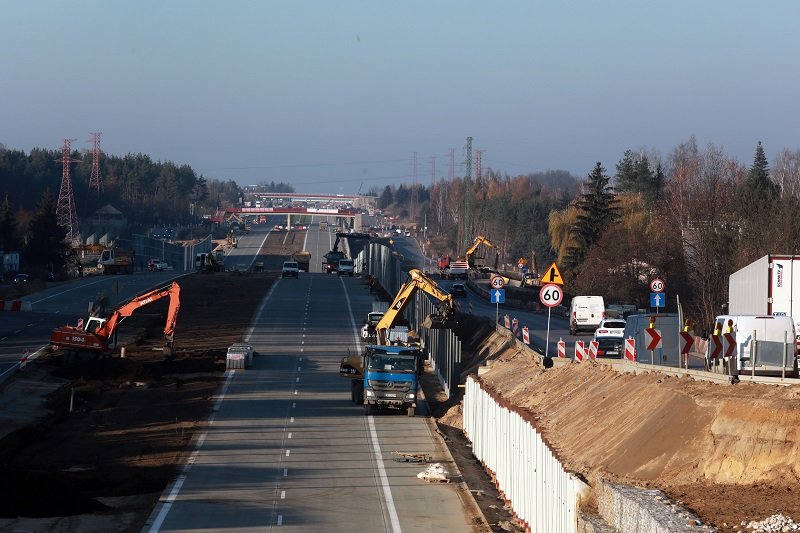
pixel 243 213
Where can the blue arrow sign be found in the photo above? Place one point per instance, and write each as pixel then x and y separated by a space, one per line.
pixel 498 296
pixel 657 299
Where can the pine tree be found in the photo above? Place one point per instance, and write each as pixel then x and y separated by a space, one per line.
pixel 598 211
pixel 9 239
pixel 626 174
pixel 757 192
pixel 46 247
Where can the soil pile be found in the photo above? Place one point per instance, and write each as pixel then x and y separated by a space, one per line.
pixel 728 452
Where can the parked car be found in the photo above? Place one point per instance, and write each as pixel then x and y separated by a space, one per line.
pixel 458 290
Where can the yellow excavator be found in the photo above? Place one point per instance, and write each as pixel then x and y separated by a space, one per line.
pixel 444 318
pixel 417 281
pixel 386 374
pixel 480 239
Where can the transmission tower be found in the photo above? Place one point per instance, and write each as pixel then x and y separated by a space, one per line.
pixel 452 173
pixel 65 210
pixel 468 197
pixel 414 197
pixel 93 199
pixel 478 176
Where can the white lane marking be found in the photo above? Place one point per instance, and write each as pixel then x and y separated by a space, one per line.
pixel 300 359
pixel 373 434
pixel 297 380
pixel 384 479
pixel 280 519
pixel 291 419
pixel 285 472
pixel 290 435
pixel 287 453
pixel 283 495
pixel 176 488
pixel 295 392
pixel 298 369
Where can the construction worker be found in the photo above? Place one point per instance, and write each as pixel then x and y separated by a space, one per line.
pixel 687 327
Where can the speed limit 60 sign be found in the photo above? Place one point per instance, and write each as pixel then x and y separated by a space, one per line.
pixel 551 295
pixel 497 282
pixel 657 285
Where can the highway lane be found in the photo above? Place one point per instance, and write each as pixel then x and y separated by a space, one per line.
pixel 288 450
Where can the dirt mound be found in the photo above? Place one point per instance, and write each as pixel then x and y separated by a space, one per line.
pixel 691 439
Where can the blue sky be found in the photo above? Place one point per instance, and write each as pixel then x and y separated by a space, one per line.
pixel 335 95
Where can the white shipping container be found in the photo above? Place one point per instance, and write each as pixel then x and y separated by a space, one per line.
pixel 767 286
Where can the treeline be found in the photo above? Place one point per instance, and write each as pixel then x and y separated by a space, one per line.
pixel 692 217
pixel 148 193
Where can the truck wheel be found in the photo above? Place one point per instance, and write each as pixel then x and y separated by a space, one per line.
pixel 367 409
pixel 412 411
pixel 572 330
pixel 358 394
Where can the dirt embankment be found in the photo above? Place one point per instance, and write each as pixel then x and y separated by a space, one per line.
pixel 729 452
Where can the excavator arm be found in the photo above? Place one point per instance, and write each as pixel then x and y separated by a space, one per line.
pixel 127 309
pixel 417 281
pixel 480 239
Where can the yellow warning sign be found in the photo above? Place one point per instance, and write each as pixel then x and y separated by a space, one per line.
pixel 552 275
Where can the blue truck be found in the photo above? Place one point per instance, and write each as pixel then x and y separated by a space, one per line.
pixel 384 377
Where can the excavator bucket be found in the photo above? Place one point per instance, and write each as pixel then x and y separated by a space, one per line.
pixel 438 322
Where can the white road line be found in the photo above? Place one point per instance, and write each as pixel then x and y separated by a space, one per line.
pixel 283 495
pixel 287 453
pixel 290 436
pixel 176 487
pixel 285 472
pixel 373 434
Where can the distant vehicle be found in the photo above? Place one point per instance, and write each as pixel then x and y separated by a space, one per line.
pixel 346 267
pixel 610 327
pixel 458 290
pixel 21 278
pixel 770 333
pixel 586 313
pixel 610 346
pixel 290 269
pixel 408 233
pixel 667 323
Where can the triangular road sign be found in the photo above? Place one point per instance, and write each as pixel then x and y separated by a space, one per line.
pixel 552 275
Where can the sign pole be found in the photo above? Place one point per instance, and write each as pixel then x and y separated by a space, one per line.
pixel 547 338
pixel 497 312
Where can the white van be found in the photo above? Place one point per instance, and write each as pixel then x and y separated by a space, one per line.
pixel 667 323
pixel 586 313
pixel 770 332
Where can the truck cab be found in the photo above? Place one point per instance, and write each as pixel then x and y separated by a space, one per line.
pixel 390 378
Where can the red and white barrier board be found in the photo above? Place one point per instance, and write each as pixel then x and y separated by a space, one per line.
pixel 630 349
pixel 562 349
pixel 580 351
pixel 526 338
pixel 593 346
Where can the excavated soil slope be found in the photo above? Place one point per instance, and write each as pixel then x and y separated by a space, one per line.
pixel 729 452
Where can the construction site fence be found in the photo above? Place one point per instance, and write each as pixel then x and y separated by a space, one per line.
pixel 443 347
pixel 530 477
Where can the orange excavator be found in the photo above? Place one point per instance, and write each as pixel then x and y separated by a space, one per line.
pixel 98 335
